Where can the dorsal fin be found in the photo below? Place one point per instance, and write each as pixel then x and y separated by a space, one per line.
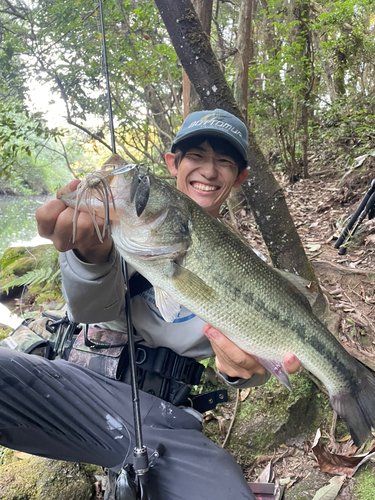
pixel 307 290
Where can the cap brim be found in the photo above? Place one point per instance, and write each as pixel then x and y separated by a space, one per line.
pixel 212 133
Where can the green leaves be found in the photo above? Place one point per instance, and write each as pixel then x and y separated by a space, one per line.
pixel 35 277
pixel 307 56
pixel 313 59
pixel 19 131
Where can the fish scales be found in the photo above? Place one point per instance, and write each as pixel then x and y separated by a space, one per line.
pixel 256 302
pixel 202 264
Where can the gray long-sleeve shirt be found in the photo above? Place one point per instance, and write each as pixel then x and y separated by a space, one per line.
pixel 95 294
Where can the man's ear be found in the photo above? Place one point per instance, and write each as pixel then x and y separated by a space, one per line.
pixel 240 178
pixel 170 161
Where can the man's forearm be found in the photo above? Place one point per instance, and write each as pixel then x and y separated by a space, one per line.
pixel 93 292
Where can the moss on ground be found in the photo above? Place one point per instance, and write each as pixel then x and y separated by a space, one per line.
pixel 36 478
pixel 271 416
pixel 21 266
pixel 42 263
pixel 11 255
pixel 18 481
pixel 365 487
pixel 7 456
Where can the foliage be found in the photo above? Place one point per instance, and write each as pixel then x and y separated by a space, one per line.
pixel 19 129
pixel 311 78
pixel 339 71
pixel 36 267
pixel 364 489
pixel 19 133
pixel 279 97
pixel 349 124
pixel 35 277
pixel 69 57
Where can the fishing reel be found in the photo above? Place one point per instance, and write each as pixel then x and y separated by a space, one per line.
pixel 131 480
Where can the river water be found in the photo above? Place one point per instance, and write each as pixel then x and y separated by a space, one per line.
pixel 17 228
pixel 17 221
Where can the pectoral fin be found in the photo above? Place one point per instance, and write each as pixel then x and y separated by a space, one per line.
pixel 276 368
pixel 191 285
pixel 168 307
pixel 186 282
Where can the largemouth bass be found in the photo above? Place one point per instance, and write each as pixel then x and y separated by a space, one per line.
pixel 195 260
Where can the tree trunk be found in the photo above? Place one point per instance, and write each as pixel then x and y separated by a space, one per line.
pixel 242 59
pixel 191 101
pixel 326 64
pixel 302 14
pixel 339 75
pixel 264 194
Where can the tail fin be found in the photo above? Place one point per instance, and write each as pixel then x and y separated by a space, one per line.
pixel 357 406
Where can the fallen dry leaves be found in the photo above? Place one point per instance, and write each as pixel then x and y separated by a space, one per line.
pixel 331 490
pixel 340 464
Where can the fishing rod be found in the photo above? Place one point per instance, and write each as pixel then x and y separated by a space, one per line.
pixel 132 478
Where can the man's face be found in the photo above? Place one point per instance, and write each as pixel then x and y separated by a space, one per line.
pixel 206 176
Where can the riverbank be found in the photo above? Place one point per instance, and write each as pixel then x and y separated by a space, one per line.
pixel 7 191
pixel 30 276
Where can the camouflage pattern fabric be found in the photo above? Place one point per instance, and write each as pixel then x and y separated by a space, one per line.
pixel 39 327
pixel 32 336
pixel 25 340
pixel 109 362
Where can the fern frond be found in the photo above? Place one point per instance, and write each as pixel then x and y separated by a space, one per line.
pixel 31 278
pixel 54 276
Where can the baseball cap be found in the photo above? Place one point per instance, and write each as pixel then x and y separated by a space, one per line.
pixel 217 123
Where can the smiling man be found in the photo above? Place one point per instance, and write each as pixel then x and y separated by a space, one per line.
pixel 63 410
pixel 208 157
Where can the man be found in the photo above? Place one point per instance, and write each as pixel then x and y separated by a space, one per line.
pixel 61 410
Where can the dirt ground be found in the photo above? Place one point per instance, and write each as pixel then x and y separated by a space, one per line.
pixel 320 207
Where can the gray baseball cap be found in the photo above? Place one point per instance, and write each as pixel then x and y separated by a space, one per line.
pixel 217 123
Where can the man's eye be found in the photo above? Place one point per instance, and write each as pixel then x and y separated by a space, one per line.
pixel 226 163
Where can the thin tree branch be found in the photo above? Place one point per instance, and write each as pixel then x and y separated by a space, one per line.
pixel 65 155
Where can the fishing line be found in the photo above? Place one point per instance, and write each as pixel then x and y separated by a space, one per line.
pixel 106 75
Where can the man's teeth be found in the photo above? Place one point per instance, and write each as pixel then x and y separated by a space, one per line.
pixel 203 187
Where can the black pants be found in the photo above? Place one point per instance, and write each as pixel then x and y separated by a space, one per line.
pixel 59 410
